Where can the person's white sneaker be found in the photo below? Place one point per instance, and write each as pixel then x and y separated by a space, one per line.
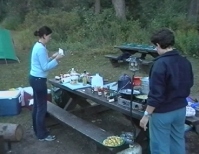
pixel 48 138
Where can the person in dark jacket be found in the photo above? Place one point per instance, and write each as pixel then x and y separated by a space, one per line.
pixel 170 82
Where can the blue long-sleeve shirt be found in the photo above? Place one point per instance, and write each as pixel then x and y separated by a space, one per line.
pixel 170 80
pixel 40 62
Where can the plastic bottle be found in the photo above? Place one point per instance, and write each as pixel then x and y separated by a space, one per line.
pixel 72 72
pixel 145 85
pixel 97 81
pixel 84 78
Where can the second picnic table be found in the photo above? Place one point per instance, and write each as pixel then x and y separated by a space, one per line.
pixel 131 49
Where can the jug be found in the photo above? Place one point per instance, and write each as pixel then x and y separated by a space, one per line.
pixel 145 85
pixel 73 72
pixel 97 81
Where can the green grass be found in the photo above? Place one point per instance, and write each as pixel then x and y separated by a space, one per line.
pixel 24 118
pixel 16 74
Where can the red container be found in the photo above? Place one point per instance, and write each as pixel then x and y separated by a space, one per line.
pixel 28 95
pixel 136 81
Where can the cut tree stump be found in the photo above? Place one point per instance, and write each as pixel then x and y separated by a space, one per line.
pixel 11 132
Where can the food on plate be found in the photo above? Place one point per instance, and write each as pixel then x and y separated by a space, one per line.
pixel 142 96
pixel 113 141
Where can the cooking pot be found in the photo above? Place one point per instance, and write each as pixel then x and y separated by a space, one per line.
pixel 124 82
pixel 126 93
pixel 141 99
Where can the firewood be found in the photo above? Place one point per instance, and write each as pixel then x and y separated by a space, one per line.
pixel 11 132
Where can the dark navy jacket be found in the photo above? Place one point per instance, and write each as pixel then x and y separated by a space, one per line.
pixel 170 81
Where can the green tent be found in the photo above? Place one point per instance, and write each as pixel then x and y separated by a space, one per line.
pixel 7 51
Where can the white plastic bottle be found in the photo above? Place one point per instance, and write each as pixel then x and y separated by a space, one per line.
pixel 97 81
pixel 72 72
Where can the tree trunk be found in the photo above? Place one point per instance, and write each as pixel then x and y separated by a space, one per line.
pixel 193 11
pixel 97 6
pixel 11 132
pixel 120 8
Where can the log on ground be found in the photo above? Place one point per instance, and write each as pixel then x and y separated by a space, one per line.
pixel 11 132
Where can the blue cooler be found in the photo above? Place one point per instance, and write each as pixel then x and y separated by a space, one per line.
pixel 10 103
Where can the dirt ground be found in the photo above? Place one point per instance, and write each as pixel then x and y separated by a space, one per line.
pixel 68 140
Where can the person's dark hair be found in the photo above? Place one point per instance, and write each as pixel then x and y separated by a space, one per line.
pixel 164 37
pixel 43 31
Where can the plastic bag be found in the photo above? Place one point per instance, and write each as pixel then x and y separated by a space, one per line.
pixel 190 111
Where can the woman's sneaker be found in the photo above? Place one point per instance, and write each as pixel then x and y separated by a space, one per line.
pixel 48 138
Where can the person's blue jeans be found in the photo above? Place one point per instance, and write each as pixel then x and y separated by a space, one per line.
pixel 39 87
pixel 167 132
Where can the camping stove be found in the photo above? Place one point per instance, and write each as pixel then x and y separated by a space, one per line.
pixel 136 105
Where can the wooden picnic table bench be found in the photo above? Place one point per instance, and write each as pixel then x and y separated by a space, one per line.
pixel 193 121
pixel 84 127
pixel 102 105
pixel 65 114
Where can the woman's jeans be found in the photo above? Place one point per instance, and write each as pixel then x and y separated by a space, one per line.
pixel 167 132
pixel 39 87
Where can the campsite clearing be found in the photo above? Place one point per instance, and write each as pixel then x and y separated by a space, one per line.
pixel 70 142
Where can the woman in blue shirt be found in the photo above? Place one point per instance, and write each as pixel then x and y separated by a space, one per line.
pixel 41 64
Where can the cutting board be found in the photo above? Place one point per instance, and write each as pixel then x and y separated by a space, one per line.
pixel 76 86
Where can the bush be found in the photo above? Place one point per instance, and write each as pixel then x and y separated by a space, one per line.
pixel 62 23
pixel 188 42
pixel 80 29
pixel 24 40
pixel 11 22
pixel 104 29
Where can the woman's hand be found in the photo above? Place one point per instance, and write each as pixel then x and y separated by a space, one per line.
pixel 59 56
pixel 144 121
pixel 55 55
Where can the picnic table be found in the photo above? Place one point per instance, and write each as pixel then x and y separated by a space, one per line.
pixel 131 49
pixel 79 97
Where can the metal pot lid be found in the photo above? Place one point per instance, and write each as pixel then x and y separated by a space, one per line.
pixel 128 91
